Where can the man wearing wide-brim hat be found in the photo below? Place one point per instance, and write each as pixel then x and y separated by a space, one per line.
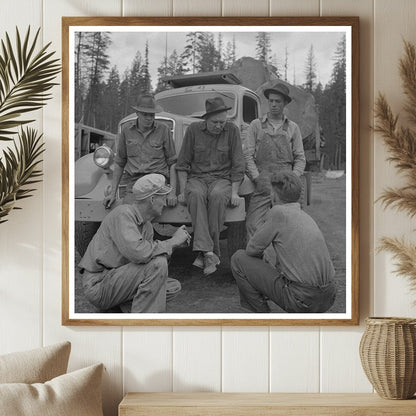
pixel 273 144
pixel 123 266
pixel 144 146
pixel 210 169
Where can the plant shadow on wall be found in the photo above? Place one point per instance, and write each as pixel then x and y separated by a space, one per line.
pixel 26 77
pixel 401 143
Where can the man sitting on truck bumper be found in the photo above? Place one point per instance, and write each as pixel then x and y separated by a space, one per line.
pixel 123 266
pixel 210 169
pixel 144 146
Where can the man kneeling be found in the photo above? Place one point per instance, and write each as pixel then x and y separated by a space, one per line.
pixel 123 265
pixel 302 281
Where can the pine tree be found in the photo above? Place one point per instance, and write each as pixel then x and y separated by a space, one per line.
pixel 263 46
pixel 190 53
pixel 230 54
pixel 286 63
pixel 145 78
pixel 96 47
pixel 169 67
pixel 310 71
pixel 110 104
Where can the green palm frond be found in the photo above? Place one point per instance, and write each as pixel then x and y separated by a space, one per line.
pixel 25 79
pixel 19 170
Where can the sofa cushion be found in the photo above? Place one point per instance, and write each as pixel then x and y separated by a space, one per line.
pixel 35 366
pixel 73 394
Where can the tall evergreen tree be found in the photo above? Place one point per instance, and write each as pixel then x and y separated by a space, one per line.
pixel 263 46
pixel 310 71
pixel 286 63
pixel 145 78
pixel 110 104
pixel 169 67
pixel 96 47
pixel 230 54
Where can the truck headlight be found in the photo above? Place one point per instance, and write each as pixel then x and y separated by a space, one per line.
pixel 103 156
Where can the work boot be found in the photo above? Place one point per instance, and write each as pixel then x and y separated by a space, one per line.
pixel 199 261
pixel 211 261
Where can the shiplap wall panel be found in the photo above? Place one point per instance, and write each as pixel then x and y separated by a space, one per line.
pixel 335 343
pixel 245 8
pixel 294 351
pixel 147 8
pixel 147 359
pixel 294 8
pixel 245 350
pixel 21 237
pixel 196 359
pixel 245 359
pixel 205 8
pixel 89 344
pixel 393 21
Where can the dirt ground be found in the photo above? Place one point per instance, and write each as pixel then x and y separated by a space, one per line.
pixel 218 293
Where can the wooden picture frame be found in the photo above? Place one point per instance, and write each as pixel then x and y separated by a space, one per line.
pixel 299 33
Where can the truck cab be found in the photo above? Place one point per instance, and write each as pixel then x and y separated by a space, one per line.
pixel 183 104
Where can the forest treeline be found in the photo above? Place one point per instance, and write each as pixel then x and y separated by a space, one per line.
pixel 103 96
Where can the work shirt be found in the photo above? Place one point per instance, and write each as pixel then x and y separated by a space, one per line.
pixel 212 155
pixel 123 237
pixel 143 153
pixel 255 132
pixel 301 251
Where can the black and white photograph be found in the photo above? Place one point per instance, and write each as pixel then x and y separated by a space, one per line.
pixel 211 173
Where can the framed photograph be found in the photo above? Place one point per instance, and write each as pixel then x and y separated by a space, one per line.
pixel 210 171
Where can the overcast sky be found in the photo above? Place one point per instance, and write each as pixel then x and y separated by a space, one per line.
pixel 125 45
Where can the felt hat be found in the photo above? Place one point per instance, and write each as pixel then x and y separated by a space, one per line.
pixel 278 88
pixel 148 185
pixel 215 105
pixel 147 104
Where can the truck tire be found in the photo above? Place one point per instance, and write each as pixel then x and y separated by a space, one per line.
pixel 84 232
pixel 236 237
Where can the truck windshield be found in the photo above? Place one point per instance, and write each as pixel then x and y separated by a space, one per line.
pixel 193 103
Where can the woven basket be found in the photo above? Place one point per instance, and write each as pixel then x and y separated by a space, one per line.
pixel 388 356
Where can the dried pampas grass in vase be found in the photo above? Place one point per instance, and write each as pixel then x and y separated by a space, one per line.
pixel 401 143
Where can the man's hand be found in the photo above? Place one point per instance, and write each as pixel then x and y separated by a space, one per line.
pixel 172 200
pixel 235 200
pixel 181 198
pixel 181 237
pixel 109 200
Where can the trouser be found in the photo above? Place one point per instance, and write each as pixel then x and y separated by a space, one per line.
pixel 142 284
pixel 257 279
pixel 207 200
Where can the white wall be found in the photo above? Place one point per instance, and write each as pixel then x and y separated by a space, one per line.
pixel 246 359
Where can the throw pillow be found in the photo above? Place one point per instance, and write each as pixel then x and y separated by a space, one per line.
pixel 35 366
pixel 73 394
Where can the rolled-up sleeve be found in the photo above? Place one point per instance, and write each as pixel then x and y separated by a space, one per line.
pixel 121 154
pixel 299 159
pixel 132 245
pixel 169 148
pixel 237 158
pixel 250 149
pixel 186 152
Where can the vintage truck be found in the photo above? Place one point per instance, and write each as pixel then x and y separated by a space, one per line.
pixel 183 104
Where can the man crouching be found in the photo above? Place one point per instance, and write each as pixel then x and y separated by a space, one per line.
pixel 123 265
pixel 302 280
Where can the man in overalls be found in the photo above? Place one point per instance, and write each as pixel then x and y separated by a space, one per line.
pixel 144 146
pixel 273 144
